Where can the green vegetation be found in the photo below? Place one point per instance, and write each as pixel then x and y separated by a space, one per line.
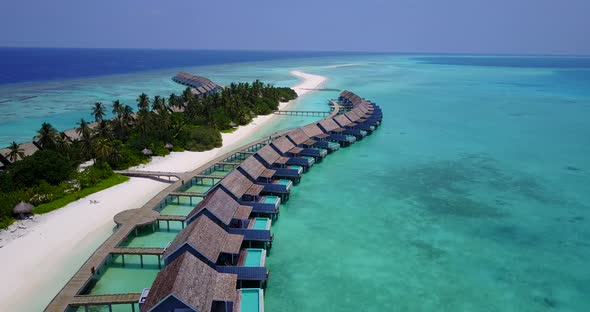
pixel 49 179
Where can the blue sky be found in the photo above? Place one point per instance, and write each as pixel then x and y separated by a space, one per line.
pixel 449 26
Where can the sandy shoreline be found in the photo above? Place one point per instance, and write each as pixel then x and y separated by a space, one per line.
pixel 38 256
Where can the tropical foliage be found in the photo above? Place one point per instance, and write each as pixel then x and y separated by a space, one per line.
pixel 179 122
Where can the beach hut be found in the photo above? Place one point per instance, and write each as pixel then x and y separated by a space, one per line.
pixel 188 284
pixel 169 146
pixel 147 152
pixel 22 209
pixel 232 124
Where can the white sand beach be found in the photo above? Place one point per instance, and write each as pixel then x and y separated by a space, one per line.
pixel 39 256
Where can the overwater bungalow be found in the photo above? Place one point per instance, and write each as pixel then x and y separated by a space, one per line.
pixel 235 218
pixel 318 138
pixel 356 115
pixel 362 124
pixel 219 249
pixel 335 132
pixel 200 86
pixel 247 193
pixel 300 139
pixel 272 160
pixel 351 127
pixel 28 149
pixel 259 174
pixel 295 154
pixel 188 284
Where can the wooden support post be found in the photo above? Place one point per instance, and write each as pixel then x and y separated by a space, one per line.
pixel 110 308
pixel 86 308
pixel 159 262
pixel 136 231
pixel 141 260
pixel 182 224
pixel 132 307
pixel 123 259
pixel 168 223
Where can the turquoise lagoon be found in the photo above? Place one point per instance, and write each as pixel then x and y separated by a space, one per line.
pixel 471 196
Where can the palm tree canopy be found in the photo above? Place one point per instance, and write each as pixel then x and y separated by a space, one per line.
pixel 98 111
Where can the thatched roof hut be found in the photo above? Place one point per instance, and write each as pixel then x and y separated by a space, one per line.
pixel 189 284
pixel 221 206
pixel 147 152
pixel 206 240
pixel 22 208
pixel 233 124
pixel 169 146
pixel 252 167
pixel 239 185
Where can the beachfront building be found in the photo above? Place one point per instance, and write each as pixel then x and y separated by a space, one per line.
pixel 200 86
pixel 220 250
pixel 272 160
pixel 27 149
pixel 257 173
pixel 301 140
pixel 294 154
pixel 189 285
pixel 245 192
pixel 233 217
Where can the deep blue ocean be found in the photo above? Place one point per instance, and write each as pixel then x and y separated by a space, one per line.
pixel 39 64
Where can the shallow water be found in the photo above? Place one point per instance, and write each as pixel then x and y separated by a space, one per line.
pixel 472 195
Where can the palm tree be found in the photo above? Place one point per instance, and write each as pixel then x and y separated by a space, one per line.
pixel 98 111
pixel 15 152
pixel 143 102
pixel 117 108
pixel 84 129
pixel 46 135
pixel 103 149
pixel 102 130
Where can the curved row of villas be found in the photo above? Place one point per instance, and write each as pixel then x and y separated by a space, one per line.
pixel 217 262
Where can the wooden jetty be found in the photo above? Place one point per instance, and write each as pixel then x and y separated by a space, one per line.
pixel 302 113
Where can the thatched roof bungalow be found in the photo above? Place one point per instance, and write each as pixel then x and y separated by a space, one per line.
pixel 188 284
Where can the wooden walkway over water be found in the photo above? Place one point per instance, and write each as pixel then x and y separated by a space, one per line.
pixel 302 113
pixel 70 293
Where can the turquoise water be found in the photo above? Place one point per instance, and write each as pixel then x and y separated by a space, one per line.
pixel 285 182
pixel 154 239
pixel 253 257
pixel 260 223
pixel 250 300
pixel 269 199
pixel 471 196
pixel 295 167
pixel 119 279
